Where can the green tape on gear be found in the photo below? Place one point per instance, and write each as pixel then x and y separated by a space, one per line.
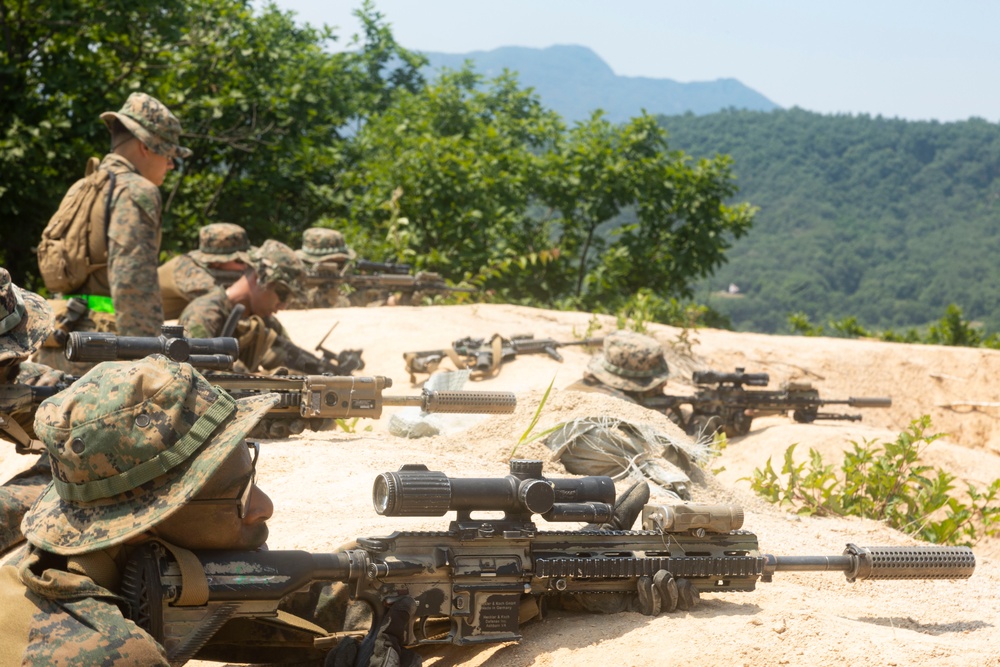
pixel 99 304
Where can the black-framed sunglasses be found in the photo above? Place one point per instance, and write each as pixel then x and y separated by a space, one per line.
pixel 283 291
pixel 242 501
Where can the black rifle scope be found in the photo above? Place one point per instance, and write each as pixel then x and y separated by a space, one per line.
pixel 414 490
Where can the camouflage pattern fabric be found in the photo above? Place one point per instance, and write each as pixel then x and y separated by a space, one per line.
pixel 221 242
pixel 276 263
pixel 320 244
pixel 52 616
pixel 630 362
pixel 205 316
pixel 130 443
pixel 25 320
pixel 151 123
pixel 182 280
pixel 17 495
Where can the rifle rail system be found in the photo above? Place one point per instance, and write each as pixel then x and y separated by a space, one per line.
pixel 482 577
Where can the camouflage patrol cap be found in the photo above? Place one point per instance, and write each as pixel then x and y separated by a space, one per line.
pixel 151 123
pixel 630 362
pixel 130 442
pixel 276 263
pixel 222 242
pixel 25 320
pixel 320 244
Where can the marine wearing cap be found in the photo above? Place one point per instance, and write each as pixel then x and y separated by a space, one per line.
pixel 151 123
pixel 320 244
pixel 630 362
pixel 222 255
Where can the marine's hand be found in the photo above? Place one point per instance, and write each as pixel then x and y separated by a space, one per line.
pixel 385 648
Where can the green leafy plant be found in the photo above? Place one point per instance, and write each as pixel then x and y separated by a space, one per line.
pixel 888 483
pixel 348 425
pixel 527 435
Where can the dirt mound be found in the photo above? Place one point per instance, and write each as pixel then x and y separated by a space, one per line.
pixel 321 487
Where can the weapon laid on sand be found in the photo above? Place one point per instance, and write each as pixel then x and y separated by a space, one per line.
pixel 722 402
pixel 307 401
pixel 485 356
pixel 477 581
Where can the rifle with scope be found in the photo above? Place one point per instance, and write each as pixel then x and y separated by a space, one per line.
pixel 311 402
pixel 485 356
pixel 721 402
pixel 477 581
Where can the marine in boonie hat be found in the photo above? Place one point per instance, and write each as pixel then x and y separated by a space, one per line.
pixel 320 244
pixel 25 320
pixel 130 443
pixel 222 242
pixel 151 123
pixel 276 263
pixel 630 362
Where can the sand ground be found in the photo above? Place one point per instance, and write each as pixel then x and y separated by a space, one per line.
pixel 321 487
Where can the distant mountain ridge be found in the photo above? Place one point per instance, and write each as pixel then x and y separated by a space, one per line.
pixel 574 81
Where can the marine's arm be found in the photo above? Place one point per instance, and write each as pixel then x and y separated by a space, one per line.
pixel 133 254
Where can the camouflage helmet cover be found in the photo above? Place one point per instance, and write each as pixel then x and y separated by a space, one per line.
pixel 221 242
pixel 152 123
pixel 276 263
pixel 630 362
pixel 130 443
pixel 25 320
pixel 320 244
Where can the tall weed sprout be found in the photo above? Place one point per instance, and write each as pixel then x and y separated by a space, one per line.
pixel 887 483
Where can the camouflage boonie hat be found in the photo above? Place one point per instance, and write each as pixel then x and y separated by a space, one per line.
pixel 151 123
pixel 130 442
pixel 630 362
pixel 320 244
pixel 276 263
pixel 25 320
pixel 221 242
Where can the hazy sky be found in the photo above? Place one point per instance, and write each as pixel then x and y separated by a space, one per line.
pixel 916 59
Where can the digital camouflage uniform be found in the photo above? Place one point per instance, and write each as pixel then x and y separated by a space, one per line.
pixel 25 321
pixel 630 367
pixel 186 277
pixel 263 343
pixel 130 443
pixel 324 251
pixel 134 230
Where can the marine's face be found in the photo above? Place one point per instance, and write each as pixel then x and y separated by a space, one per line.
pixel 208 525
pixel 266 301
pixel 153 166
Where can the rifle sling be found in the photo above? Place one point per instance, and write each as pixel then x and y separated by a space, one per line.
pixel 25 444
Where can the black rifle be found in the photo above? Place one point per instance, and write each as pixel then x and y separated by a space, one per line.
pixel 721 402
pixel 365 266
pixel 485 356
pixel 206 353
pixel 477 581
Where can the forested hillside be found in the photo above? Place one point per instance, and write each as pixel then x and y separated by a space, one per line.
pixel 884 219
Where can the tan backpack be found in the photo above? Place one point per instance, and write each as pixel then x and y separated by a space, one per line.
pixel 71 248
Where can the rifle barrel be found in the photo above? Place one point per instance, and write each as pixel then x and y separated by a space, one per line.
pixel 870 402
pixel 920 562
pixel 471 402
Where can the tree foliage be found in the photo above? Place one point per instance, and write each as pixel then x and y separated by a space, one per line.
pixel 471 178
pixel 263 102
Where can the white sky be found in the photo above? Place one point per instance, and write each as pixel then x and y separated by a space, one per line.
pixel 915 59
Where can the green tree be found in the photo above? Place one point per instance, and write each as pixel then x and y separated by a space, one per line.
pixel 458 162
pixel 677 226
pixel 263 102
